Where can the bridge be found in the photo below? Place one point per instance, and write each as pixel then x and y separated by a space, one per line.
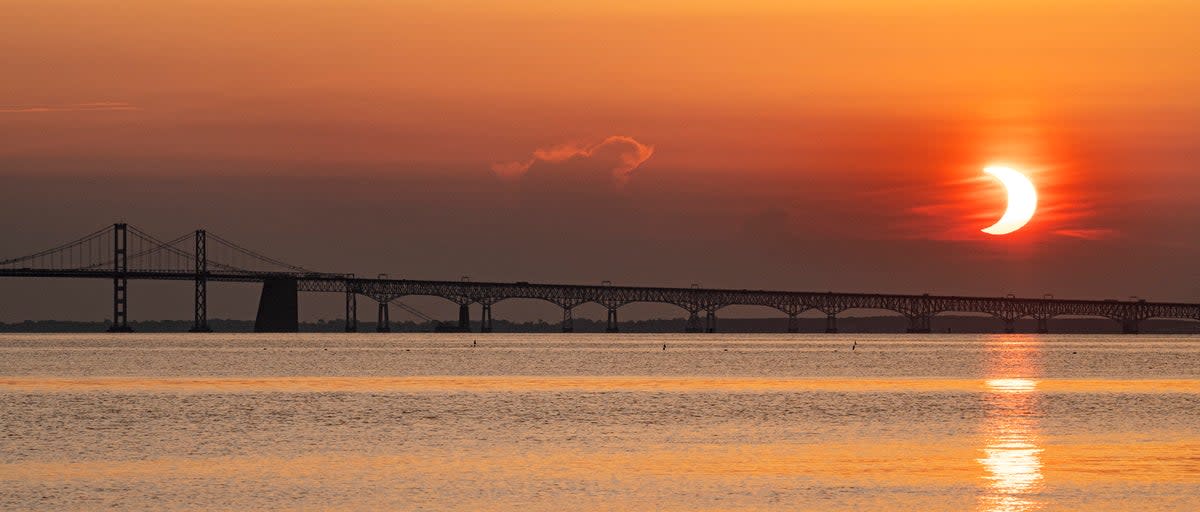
pixel 122 252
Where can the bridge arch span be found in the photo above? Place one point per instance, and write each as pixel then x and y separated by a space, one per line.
pixel 123 252
pixel 566 305
pixel 831 320
pixel 692 309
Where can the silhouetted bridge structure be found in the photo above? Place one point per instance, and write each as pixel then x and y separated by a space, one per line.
pixel 122 253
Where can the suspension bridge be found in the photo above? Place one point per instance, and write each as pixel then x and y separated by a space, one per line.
pixel 122 253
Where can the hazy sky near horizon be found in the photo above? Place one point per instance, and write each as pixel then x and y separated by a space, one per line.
pixel 757 144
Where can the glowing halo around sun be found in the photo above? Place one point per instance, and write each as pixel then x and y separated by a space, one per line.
pixel 1022 200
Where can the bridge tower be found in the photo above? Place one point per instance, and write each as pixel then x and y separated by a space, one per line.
pixel 120 279
pixel 201 310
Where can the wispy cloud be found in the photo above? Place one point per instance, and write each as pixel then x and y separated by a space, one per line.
pixel 1088 234
pixel 99 106
pixel 623 153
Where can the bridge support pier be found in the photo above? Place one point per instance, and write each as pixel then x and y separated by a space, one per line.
pixel 384 322
pixel 120 281
pixel 568 321
pixel 693 322
pixel 1130 325
pixel 464 318
pixel 1043 326
pixel 710 321
pixel 485 318
pixel 612 320
pixel 278 309
pixel 1010 325
pixel 919 324
pixel 351 312
pixel 831 323
pixel 793 323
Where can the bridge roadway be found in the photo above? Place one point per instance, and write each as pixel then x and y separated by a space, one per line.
pixel 277 307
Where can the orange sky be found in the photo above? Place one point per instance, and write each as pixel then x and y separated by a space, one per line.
pixel 546 67
pixel 542 71
pixel 847 120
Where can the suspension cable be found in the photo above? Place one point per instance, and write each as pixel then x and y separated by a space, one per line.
pixel 65 246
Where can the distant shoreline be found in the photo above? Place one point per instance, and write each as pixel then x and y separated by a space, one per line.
pixel 849 324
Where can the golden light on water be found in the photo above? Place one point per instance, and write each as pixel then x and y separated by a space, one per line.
pixel 445 383
pixel 1012 457
pixel 115 424
pixel 1011 385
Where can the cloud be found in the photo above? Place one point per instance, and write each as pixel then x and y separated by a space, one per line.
pixel 620 155
pixel 100 106
pixel 1088 234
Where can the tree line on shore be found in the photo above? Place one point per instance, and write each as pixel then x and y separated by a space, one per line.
pixel 849 324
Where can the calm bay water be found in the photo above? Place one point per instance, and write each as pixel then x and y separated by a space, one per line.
pixel 599 422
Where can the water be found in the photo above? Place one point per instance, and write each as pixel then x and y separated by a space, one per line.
pixel 599 422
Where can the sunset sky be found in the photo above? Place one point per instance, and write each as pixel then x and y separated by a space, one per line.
pixel 757 144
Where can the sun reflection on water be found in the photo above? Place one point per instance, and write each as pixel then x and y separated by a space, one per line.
pixel 1011 385
pixel 1012 457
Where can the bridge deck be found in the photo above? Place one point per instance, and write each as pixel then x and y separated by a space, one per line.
pixel 123 252
pixel 689 299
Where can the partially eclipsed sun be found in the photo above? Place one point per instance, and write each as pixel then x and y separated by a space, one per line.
pixel 1022 200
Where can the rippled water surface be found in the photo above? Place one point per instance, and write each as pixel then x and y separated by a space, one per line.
pixel 599 422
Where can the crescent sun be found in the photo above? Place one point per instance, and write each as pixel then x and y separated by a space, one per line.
pixel 1022 200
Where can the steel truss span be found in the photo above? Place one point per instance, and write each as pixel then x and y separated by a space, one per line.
pixel 121 253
